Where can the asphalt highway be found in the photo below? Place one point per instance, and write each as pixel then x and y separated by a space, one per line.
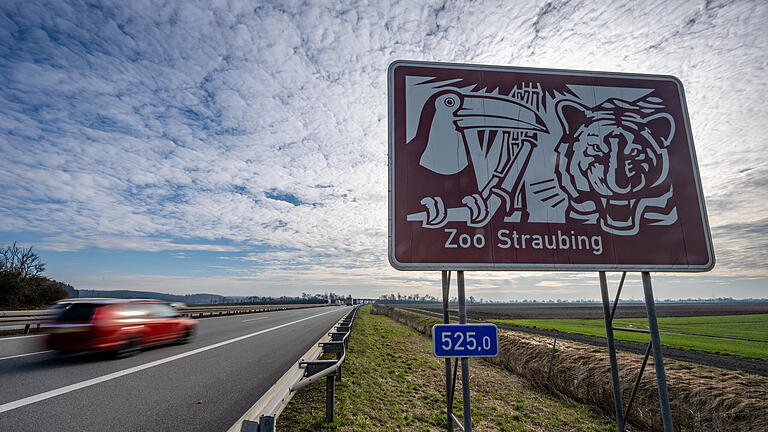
pixel 231 362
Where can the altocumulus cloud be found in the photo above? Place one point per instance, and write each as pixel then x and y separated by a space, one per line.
pixel 173 126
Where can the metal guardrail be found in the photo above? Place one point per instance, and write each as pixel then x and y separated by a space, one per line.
pixel 31 318
pixel 262 417
pixel 202 311
pixel 26 318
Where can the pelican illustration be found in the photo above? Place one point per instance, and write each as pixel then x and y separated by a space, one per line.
pixel 496 134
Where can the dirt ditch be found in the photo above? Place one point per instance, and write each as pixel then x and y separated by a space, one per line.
pixel 702 397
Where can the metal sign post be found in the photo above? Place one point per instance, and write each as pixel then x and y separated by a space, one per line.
pixel 617 403
pixel 450 381
pixel 446 320
pixel 464 360
pixel 658 360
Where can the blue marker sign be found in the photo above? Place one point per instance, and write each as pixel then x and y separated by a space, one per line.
pixel 465 340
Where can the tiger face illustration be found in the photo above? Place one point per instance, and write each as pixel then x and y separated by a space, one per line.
pixel 613 163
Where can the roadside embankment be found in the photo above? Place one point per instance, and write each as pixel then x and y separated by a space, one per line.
pixel 702 397
pixel 393 382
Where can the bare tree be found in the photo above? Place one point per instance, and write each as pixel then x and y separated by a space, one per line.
pixel 19 260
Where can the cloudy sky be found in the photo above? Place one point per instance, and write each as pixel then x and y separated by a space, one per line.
pixel 240 147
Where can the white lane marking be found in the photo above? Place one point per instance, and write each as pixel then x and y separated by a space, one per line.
pixel 19 337
pixel 254 319
pixel 87 383
pixel 24 355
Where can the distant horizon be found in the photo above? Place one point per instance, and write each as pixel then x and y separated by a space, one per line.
pixel 453 298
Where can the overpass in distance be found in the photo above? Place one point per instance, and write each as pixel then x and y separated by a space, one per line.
pixel 231 363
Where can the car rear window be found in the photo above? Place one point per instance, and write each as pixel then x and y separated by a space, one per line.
pixel 158 310
pixel 78 312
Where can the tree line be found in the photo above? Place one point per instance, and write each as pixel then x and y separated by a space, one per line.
pixel 22 285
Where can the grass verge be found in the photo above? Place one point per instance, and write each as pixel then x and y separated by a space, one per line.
pixel 392 382
pixel 735 335
pixel 702 398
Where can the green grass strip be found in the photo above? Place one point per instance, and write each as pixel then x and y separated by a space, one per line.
pixel 743 336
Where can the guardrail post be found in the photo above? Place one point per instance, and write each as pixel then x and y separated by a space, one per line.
pixel 267 424
pixel 249 426
pixel 330 386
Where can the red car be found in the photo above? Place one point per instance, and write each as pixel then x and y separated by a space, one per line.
pixel 118 326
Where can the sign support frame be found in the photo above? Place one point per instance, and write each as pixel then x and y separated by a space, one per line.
pixel 654 345
pixel 609 312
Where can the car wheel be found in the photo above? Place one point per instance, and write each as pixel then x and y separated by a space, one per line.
pixel 129 348
pixel 187 336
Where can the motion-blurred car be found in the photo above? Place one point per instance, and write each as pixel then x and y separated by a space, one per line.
pixel 120 327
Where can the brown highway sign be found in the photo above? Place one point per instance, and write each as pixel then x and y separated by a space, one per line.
pixel 504 168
